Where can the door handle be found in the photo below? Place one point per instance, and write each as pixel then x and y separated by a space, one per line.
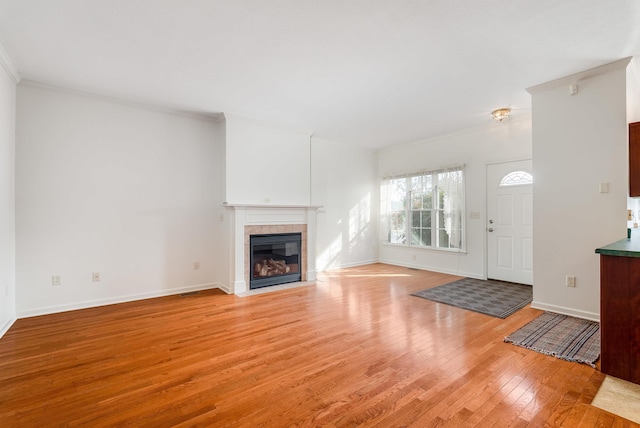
pixel 490 229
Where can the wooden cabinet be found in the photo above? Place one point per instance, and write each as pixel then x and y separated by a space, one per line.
pixel 620 317
pixel 634 159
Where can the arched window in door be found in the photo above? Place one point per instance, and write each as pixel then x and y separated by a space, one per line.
pixel 516 178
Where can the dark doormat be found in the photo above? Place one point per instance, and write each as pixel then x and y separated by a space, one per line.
pixel 496 298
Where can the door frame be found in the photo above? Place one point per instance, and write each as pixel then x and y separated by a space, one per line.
pixel 486 208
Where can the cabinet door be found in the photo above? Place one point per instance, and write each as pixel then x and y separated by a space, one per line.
pixel 619 317
pixel 634 159
pixel 615 358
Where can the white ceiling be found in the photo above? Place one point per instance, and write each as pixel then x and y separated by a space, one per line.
pixel 368 72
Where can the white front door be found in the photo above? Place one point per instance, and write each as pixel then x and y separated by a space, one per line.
pixel 510 222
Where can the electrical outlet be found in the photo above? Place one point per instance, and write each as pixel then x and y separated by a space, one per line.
pixel 196 265
pixel 55 280
pixel 571 281
pixel 95 276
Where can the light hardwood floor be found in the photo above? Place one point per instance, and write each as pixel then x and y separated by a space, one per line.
pixel 353 350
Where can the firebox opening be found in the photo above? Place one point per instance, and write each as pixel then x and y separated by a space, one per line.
pixel 275 259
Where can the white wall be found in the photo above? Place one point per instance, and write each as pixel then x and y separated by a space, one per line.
pixel 254 164
pixel 498 142
pixel 345 184
pixel 102 186
pixel 633 115
pixel 7 200
pixel 633 90
pixel 579 141
pixel 223 229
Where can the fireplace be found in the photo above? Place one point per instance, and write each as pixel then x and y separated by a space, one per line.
pixel 275 259
pixel 250 220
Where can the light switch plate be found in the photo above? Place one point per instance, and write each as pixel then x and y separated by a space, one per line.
pixel 604 187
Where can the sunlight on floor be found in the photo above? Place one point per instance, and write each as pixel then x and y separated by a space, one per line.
pixel 377 275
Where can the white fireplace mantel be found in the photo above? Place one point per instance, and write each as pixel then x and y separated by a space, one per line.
pixel 265 215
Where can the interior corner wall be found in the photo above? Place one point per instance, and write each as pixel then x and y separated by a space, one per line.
pixel 133 193
pixel 633 90
pixel 345 185
pixel 223 220
pixel 7 201
pixel 579 141
pixel 266 164
pixel 498 142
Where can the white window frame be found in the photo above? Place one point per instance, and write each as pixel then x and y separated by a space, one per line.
pixel 399 205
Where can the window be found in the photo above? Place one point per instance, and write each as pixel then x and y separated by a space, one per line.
pixel 424 209
pixel 395 195
pixel 516 178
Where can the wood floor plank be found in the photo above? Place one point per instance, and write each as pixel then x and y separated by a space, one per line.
pixel 353 350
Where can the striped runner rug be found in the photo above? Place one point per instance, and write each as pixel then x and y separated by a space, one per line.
pixel 562 336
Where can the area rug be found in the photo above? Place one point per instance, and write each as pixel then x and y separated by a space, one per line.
pixel 562 336
pixel 619 397
pixel 496 298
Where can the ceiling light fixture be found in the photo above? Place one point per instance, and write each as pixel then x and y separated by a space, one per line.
pixel 501 114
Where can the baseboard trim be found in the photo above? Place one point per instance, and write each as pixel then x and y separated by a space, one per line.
pixel 349 265
pixel 223 287
pixel 591 316
pixel 434 269
pixel 114 300
pixel 7 325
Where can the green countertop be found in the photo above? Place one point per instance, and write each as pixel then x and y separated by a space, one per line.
pixel 624 247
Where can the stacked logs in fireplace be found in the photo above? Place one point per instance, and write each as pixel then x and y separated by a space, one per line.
pixel 270 267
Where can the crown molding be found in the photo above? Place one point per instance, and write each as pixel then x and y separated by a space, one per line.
pixel 131 102
pixel 522 118
pixel 233 116
pixel 575 78
pixel 9 67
